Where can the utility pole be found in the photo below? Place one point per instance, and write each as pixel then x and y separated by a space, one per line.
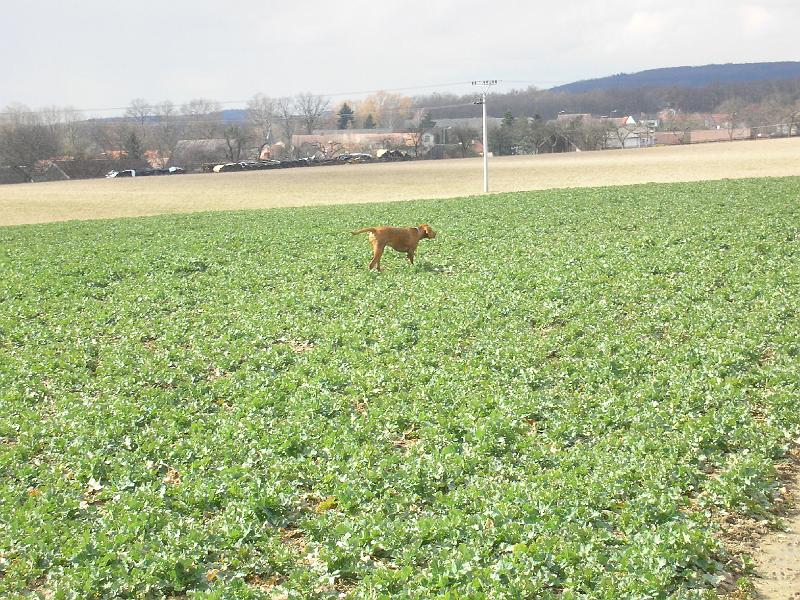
pixel 486 84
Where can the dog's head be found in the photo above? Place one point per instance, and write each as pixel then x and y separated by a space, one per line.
pixel 427 232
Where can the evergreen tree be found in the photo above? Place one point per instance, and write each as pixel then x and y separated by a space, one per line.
pixel 427 122
pixel 508 119
pixel 346 117
pixel 369 122
pixel 133 146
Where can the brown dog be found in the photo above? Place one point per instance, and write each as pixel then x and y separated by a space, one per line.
pixel 402 239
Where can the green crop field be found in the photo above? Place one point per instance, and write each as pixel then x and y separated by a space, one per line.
pixel 559 400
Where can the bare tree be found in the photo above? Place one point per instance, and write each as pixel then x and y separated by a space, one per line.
pixel 26 138
pixel 167 130
pixel 559 137
pixel 327 149
pixel 311 108
pixel 464 136
pixel 680 128
pixel 52 117
pixel 260 113
pixel 390 109
pixel 621 134
pixel 104 136
pixel 141 110
pixel 236 142
pixel 75 133
pixel 778 114
pixel 200 107
pixel 593 134
pixel 532 133
pixel 203 118
pixel 792 117
pixel 285 110
pixel 566 133
pixel 733 109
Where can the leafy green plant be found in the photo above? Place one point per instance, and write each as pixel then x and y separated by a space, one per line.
pixel 550 403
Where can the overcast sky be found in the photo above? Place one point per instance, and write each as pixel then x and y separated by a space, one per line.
pixel 94 54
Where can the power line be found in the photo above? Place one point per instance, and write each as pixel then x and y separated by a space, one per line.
pixel 237 102
pixel 400 89
pixel 202 119
pixel 533 82
pixel 72 110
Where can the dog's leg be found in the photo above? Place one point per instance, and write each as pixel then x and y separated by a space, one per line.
pixel 377 250
pixel 376 259
pixel 410 255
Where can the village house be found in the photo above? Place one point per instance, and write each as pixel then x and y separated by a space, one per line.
pixel 565 118
pixel 695 119
pixel 621 132
pixel 699 136
pixel 625 132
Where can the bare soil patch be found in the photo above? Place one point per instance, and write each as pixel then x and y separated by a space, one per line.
pixel 111 198
pixel 777 556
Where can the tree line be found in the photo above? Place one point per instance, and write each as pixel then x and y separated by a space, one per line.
pixel 547 104
pixel 27 136
pixel 529 121
pixel 30 136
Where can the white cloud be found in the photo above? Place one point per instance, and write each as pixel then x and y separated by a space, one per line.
pixel 755 20
pixel 99 54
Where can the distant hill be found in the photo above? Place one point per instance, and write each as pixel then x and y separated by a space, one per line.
pixel 234 115
pixel 688 76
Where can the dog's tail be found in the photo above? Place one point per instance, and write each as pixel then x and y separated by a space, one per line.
pixel 365 230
